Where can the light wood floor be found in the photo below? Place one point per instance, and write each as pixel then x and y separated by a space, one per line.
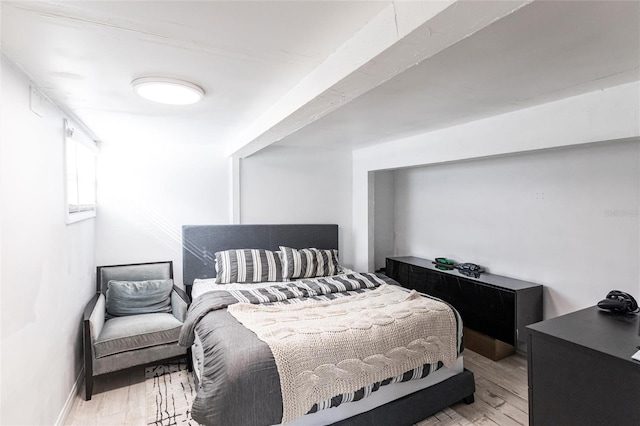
pixel 501 397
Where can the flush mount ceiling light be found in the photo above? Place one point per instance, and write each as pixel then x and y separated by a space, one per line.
pixel 166 90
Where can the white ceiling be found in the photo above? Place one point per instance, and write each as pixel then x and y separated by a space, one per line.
pixel 248 55
pixel 544 52
pixel 245 55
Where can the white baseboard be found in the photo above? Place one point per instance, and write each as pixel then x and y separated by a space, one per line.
pixel 64 413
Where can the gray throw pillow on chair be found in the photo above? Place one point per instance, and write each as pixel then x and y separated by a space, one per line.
pixel 138 297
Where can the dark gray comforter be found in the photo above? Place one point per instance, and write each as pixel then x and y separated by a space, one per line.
pixel 240 385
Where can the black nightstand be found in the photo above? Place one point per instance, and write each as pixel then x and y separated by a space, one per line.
pixel 581 372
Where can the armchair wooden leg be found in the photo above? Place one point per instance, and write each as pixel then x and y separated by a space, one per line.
pixel 189 360
pixel 88 360
pixel 88 386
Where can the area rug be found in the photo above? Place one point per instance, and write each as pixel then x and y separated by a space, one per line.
pixel 170 392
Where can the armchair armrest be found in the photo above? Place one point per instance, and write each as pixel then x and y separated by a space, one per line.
pixel 88 309
pixel 179 303
pixel 181 293
pixel 93 321
pixel 94 317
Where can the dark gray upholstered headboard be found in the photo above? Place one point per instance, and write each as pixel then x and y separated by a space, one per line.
pixel 201 242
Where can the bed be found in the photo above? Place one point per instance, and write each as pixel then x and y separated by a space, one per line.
pixel 238 376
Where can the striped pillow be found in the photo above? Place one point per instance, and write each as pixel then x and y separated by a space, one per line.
pixel 248 266
pixel 308 263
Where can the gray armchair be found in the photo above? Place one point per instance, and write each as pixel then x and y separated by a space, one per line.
pixel 141 331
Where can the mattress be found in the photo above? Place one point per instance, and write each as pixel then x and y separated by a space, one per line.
pixel 384 395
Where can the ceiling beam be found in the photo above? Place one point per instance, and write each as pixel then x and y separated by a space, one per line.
pixel 398 38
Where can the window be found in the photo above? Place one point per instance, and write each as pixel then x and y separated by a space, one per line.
pixel 80 165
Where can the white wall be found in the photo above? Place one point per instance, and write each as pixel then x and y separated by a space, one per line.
pixel 288 184
pixel 566 218
pixel 47 269
pixel 147 192
pixel 384 217
pixel 597 117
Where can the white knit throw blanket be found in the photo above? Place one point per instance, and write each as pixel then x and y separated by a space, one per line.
pixel 324 349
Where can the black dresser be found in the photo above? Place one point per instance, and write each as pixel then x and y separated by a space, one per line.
pixel 495 306
pixel 581 372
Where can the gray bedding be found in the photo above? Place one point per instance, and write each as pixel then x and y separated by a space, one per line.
pixel 240 383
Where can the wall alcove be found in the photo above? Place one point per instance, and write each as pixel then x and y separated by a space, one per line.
pixel 567 218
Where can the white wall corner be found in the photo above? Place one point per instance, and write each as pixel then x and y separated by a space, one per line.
pixel 235 214
pixel 371 199
pixel 68 404
pixel 360 213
